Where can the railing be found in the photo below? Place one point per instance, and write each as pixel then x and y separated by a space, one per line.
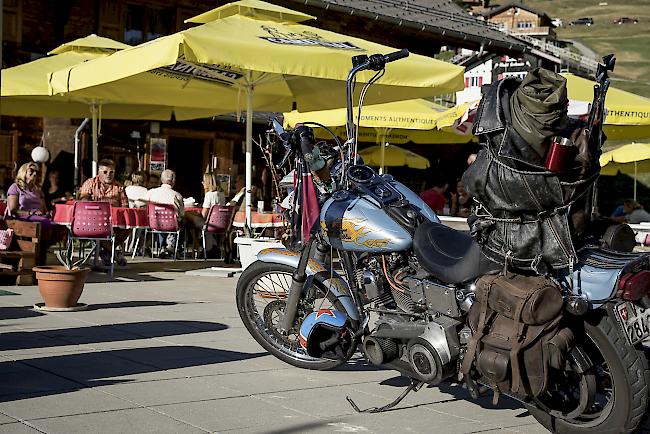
pixel 567 56
pixel 543 30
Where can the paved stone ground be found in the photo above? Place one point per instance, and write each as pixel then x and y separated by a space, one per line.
pixel 162 352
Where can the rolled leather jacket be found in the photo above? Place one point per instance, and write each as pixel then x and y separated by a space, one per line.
pixel 522 213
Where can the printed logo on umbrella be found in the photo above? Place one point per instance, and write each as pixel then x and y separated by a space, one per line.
pixel 305 38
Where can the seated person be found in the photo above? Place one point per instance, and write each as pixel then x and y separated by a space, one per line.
pixel 153 181
pixel 136 190
pixel 54 193
pixel 461 201
pixel 104 188
pixel 256 196
pixel 25 201
pixel 213 196
pixel 24 198
pixel 634 213
pixel 166 195
pixel 434 196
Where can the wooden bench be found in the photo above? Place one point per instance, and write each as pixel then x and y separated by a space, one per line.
pixel 22 255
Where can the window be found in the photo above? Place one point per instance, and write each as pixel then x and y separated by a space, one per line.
pixel 473 82
pixel 524 24
pixel 134 25
pixel 159 23
pixel 144 24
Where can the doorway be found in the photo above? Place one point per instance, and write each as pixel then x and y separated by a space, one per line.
pixel 185 157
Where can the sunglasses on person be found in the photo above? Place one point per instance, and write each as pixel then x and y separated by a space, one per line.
pixel 107 172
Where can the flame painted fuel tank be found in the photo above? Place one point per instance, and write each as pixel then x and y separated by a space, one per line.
pixel 353 223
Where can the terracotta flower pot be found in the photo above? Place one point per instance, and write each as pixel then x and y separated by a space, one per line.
pixel 59 287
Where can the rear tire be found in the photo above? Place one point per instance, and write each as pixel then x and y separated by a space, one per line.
pixel 622 373
pixel 274 280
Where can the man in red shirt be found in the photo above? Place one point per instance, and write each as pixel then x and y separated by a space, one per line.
pixel 104 188
pixel 434 197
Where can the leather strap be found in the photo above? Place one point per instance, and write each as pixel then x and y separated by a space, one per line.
pixel 518 335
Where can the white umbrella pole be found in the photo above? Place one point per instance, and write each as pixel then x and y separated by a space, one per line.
pixel 383 133
pixel 77 174
pixel 93 111
pixel 635 180
pixel 249 146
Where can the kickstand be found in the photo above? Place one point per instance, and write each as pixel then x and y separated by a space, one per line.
pixel 415 385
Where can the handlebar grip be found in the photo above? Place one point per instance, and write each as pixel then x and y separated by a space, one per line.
pixel 306 147
pixel 397 55
pixel 305 138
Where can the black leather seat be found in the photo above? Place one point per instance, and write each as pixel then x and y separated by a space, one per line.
pixel 450 255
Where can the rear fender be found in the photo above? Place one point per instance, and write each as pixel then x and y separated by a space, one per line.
pixel 330 280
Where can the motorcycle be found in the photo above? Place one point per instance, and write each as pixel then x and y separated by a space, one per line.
pixel 417 279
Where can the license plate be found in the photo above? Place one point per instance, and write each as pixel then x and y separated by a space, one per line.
pixel 635 321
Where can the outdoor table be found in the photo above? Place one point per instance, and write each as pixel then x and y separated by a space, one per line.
pixel 259 220
pixel 121 217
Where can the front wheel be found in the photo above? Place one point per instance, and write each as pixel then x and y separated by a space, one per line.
pixel 262 291
pixel 620 378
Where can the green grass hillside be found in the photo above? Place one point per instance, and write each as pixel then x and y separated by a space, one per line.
pixel 630 42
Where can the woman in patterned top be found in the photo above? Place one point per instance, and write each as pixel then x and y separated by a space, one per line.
pixel 25 201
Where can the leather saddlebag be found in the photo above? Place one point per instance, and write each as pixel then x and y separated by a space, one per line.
pixel 517 333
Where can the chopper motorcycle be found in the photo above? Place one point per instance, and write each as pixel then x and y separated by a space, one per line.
pixel 418 280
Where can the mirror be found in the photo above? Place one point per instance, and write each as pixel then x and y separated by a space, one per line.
pixel 277 126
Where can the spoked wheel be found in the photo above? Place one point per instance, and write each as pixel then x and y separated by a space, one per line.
pixel 262 291
pixel 611 396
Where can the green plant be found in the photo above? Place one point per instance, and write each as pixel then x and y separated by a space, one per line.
pixel 66 257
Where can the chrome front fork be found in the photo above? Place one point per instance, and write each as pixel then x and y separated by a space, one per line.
pixel 295 292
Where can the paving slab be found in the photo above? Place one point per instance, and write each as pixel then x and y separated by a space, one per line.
pixel 170 391
pixel 138 420
pixel 17 428
pixel 234 413
pixel 73 402
pixel 6 419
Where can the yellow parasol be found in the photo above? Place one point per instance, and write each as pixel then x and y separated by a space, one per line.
pixel 628 115
pixel 396 122
pixel 261 61
pixel 393 156
pixel 25 91
pixel 630 159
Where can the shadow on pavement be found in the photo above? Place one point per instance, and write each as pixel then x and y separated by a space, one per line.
pixel 64 373
pixel 18 312
pixel 123 304
pixel 459 393
pixel 103 333
pixel 485 400
pixel 358 364
pixel 306 427
pixel 141 270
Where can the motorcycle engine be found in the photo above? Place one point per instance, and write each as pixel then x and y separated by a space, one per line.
pixel 420 320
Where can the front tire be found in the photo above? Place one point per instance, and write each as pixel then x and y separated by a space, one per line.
pixel 261 291
pixel 622 378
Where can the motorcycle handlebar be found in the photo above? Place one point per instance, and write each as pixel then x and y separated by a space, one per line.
pixel 397 55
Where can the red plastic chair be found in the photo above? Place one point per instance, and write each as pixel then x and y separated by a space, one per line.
pixel 162 220
pixel 91 221
pixel 219 221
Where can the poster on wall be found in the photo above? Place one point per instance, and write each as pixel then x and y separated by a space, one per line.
pixel 158 158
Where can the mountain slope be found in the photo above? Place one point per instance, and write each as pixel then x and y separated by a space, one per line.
pixel 630 42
